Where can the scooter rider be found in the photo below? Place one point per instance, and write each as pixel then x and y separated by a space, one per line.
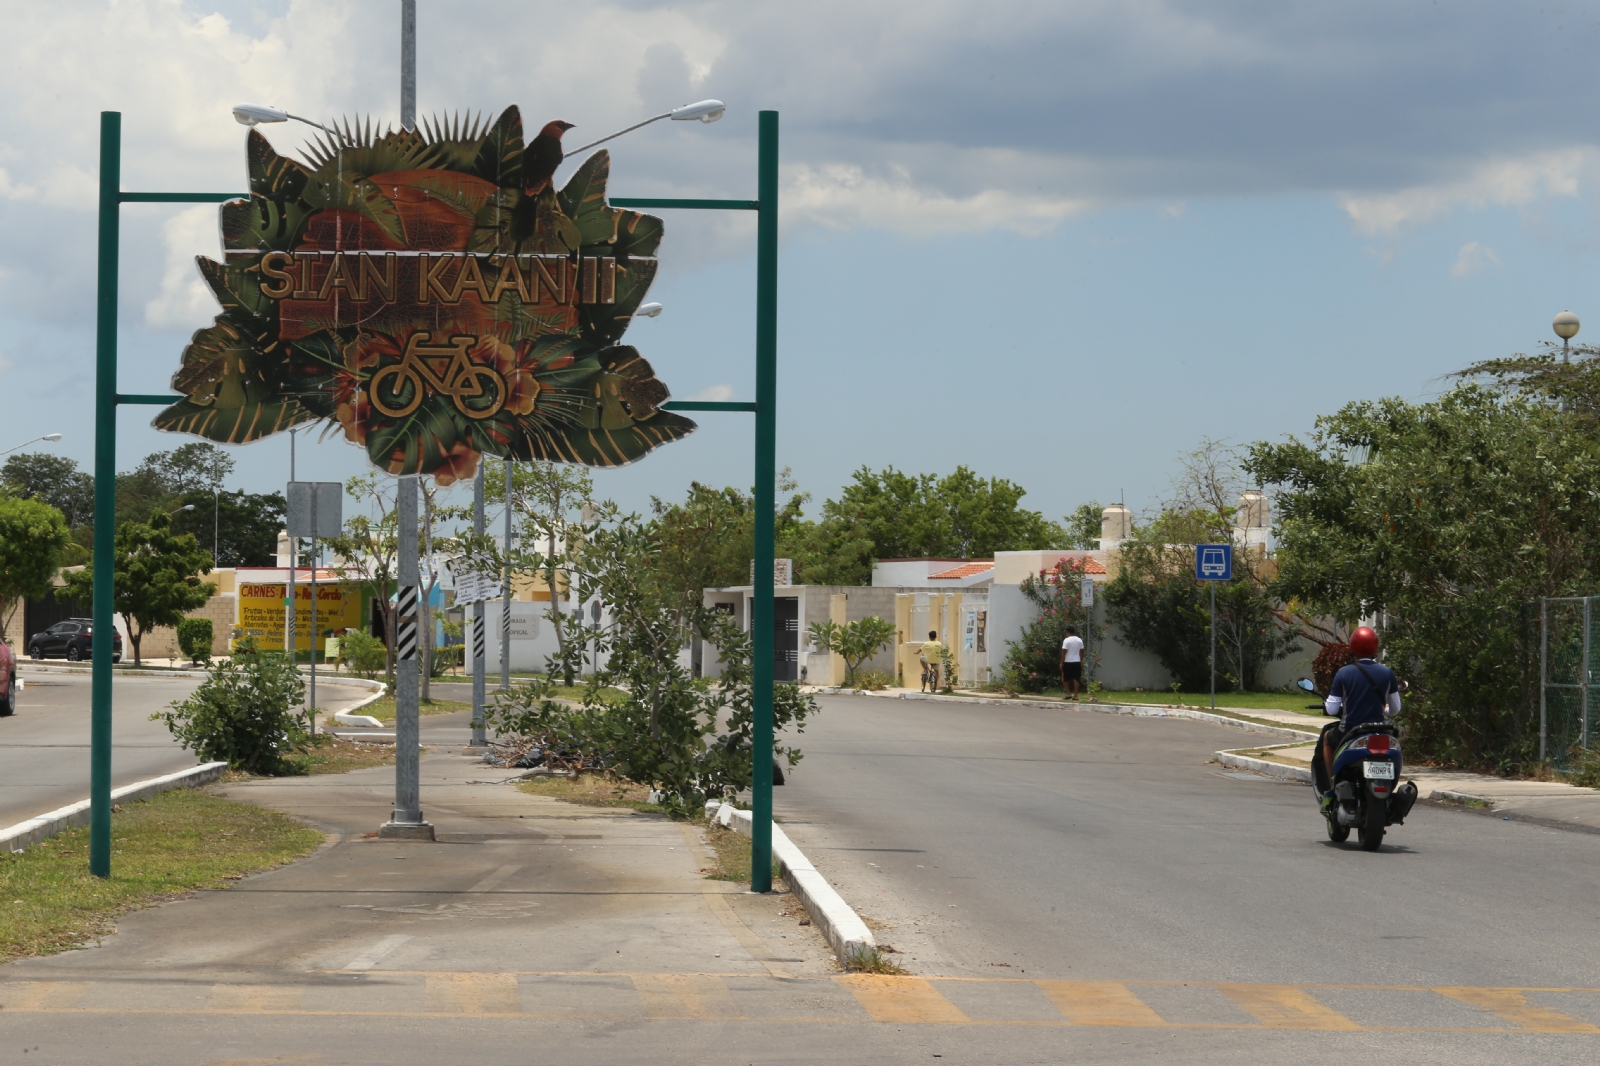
pixel 1362 692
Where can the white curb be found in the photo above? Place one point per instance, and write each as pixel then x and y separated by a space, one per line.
pixel 1267 767
pixel 1137 710
pixel 19 836
pixel 852 941
pixel 348 716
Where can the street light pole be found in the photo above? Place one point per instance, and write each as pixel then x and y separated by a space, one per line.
pixel 52 437
pixel 763 637
pixel 105 491
pixel 408 64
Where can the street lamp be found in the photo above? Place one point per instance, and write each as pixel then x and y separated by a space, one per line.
pixel 185 507
pixel 53 437
pixel 705 111
pixel 254 114
pixel 650 310
pixel 1566 326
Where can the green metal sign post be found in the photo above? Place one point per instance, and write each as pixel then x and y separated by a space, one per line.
pixel 107 399
pixel 763 640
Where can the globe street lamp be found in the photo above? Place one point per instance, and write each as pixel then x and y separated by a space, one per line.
pixel 705 111
pixel 1566 326
pixel 48 436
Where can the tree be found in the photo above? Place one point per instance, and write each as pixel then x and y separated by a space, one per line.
pixel 1081 528
pixel 1033 661
pixel 240 527
pixel 33 535
pixel 370 546
pixel 888 515
pixel 54 480
pixel 705 542
pixel 666 729
pixel 157 576
pixel 854 642
pixel 1441 520
pixel 1159 607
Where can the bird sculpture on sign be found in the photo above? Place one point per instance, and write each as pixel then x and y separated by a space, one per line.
pixel 433 295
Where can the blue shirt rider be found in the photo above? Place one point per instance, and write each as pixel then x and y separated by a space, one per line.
pixel 1363 692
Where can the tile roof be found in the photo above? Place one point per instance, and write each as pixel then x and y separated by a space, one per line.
pixel 966 570
pixel 1091 565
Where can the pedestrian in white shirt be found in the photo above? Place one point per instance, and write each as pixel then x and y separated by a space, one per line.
pixel 1072 663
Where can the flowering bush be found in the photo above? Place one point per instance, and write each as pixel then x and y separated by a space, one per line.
pixel 1033 662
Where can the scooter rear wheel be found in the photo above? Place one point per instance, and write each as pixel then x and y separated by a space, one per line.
pixel 1371 831
pixel 1336 832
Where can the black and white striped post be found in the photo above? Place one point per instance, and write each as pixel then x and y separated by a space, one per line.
pixel 480 737
pixel 406 823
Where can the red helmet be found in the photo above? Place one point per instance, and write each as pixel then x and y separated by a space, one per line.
pixel 1364 643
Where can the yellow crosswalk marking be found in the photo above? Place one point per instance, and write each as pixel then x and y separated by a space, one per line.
pixel 255 999
pixel 1285 1007
pixel 472 993
pixel 901 999
pixel 1099 1003
pixel 42 995
pixel 691 996
pixel 1513 1006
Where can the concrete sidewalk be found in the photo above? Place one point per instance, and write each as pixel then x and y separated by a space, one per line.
pixel 524 904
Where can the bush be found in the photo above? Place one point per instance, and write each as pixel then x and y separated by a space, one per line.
pixel 854 642
pixel 874 680
pixel 246 713
pixel 643 716
pixel 194 639
pixel 364 653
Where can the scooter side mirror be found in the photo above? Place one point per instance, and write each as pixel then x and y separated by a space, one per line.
pixel 1405 686
pixel 1307 685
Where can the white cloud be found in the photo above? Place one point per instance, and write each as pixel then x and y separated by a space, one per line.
pixel 1504 182
pixel 1472 259
pixel 714 394
pixel 840 196
pixel 185 301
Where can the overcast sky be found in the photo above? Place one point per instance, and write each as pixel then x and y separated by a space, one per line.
pixel 1057 241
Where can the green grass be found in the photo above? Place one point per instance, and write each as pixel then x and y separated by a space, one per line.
pixel 383 709
pixel 161 848
pixel 335 755
pixel 593 790
pixel 733 856
pixel 1296 702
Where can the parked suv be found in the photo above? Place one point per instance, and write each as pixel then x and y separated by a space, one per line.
pixel 72 639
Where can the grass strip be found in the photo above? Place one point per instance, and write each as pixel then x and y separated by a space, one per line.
pixel 383 709
pixel 162 848
pixel 593 790
pixel 733 856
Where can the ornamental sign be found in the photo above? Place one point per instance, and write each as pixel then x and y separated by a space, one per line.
pixel 435 297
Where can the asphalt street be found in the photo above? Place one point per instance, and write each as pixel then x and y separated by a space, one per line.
pixel 987 840
pixel 44 747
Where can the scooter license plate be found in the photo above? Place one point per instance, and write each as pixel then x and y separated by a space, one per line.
pixel 1379 770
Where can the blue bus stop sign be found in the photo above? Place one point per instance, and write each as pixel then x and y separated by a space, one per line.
pixel 1213 562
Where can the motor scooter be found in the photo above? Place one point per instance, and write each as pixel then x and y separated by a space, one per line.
pixel 1366 767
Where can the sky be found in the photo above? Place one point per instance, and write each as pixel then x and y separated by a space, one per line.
pixel 1059 243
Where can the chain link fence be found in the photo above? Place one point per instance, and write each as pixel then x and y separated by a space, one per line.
pixel 1563 651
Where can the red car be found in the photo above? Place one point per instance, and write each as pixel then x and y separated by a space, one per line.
pixel 8 681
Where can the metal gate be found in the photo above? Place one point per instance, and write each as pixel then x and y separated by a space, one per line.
pixel 1567 651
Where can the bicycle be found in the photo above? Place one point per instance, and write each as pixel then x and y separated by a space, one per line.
pixel 462 380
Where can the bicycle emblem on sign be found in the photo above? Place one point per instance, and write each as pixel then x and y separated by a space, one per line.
pixel 478 391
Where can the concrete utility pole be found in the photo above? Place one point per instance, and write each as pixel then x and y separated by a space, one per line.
pixel 480 738
pixel 505 614
pixel 408 64
pixel 406 822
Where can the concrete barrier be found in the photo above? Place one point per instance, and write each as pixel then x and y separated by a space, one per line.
pixel 852 942
pixel 21 835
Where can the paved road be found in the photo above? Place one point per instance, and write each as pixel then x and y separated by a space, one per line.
pixel 1049 844
pixel 44 747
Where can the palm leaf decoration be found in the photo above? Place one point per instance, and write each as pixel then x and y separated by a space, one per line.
pixel 399 286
